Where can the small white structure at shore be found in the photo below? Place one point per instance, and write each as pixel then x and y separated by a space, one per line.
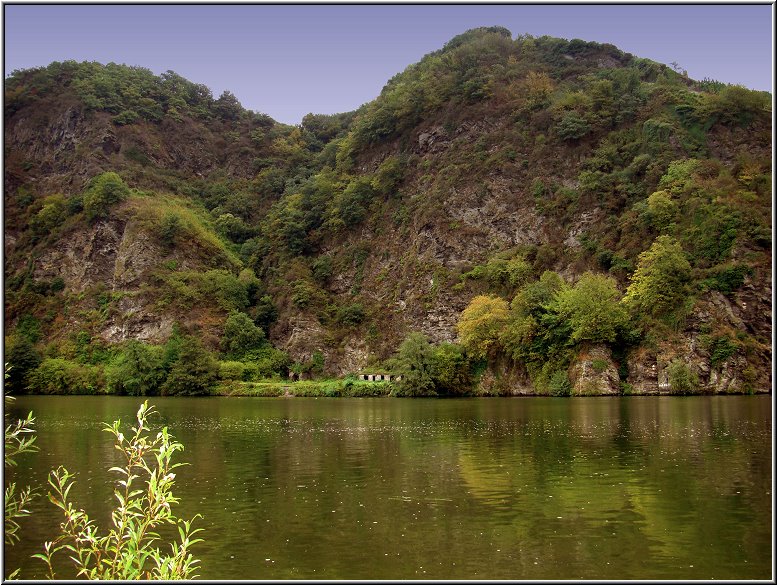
pixel 379 377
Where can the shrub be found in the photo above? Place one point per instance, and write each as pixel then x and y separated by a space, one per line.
pixel 682 379
pixel 129 550
pixel 559 383
pixel 19 438
pixel 721 348
pixel 232 370
pixel 104 191
pixel 125 117
pixel 322 269
pixel 268 362
pixel 729 279
pixel 240 335
pixel 60 376
pixel 169 229
pixel 352 314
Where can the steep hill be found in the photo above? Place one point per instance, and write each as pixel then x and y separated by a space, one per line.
pixel 553 216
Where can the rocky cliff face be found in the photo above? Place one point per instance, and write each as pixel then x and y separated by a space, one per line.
pixel 538 150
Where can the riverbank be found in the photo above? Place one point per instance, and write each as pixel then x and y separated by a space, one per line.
pixel 351 388
pixel 346 387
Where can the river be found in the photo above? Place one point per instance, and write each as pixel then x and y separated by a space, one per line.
pixel 481 488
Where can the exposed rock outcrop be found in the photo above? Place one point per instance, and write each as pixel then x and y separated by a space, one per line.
pixel 594 373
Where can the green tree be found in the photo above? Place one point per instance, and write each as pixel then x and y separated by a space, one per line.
pixel 572 127
pixel 414 364
pixel 388 176
pixel 193 373
pixel 233 228
pixel 104 191
pixel 592 308
pixel 451 370
pixel 50 216
pixel 137 370
pixel 660 282
pixel 662 210
pixel 22 358
pixel 240 335
pixel 60 376
pixel 481 324
pixel 352 205
pixel 265 312
pixel 228 107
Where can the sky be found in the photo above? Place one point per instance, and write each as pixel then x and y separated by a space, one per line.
pixel 289 60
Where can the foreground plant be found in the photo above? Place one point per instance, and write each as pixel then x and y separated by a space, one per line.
pixel 144 499
pixel 19 438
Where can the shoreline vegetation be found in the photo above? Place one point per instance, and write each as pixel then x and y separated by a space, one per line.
pixel 352 387
pixel 348 388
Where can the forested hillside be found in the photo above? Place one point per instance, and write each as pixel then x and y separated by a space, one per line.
pixel 509 216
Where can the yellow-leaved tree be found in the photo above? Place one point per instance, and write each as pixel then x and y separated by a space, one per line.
pixel 481 323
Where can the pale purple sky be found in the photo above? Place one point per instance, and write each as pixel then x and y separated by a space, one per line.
pixel 288 60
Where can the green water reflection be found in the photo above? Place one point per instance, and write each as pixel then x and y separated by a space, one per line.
pixel 538 488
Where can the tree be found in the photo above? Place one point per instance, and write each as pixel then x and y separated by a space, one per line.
pixel 661 210
pixel 104 191
pixel 240 335
pixel 265 312
pixel 591 308
pixel 481 323
pixel 414 364
pixel 194 371
pixel 538 87
pixel 660 282
pixel 388 176
pixel 352 206
pixel 228 107
pixel 572 126
pixel 451 369
pixel 233 227
pixel 50 216
pixel 21 360
pixel 137 370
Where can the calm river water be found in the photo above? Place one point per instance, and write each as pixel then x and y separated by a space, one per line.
pixel 493 488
